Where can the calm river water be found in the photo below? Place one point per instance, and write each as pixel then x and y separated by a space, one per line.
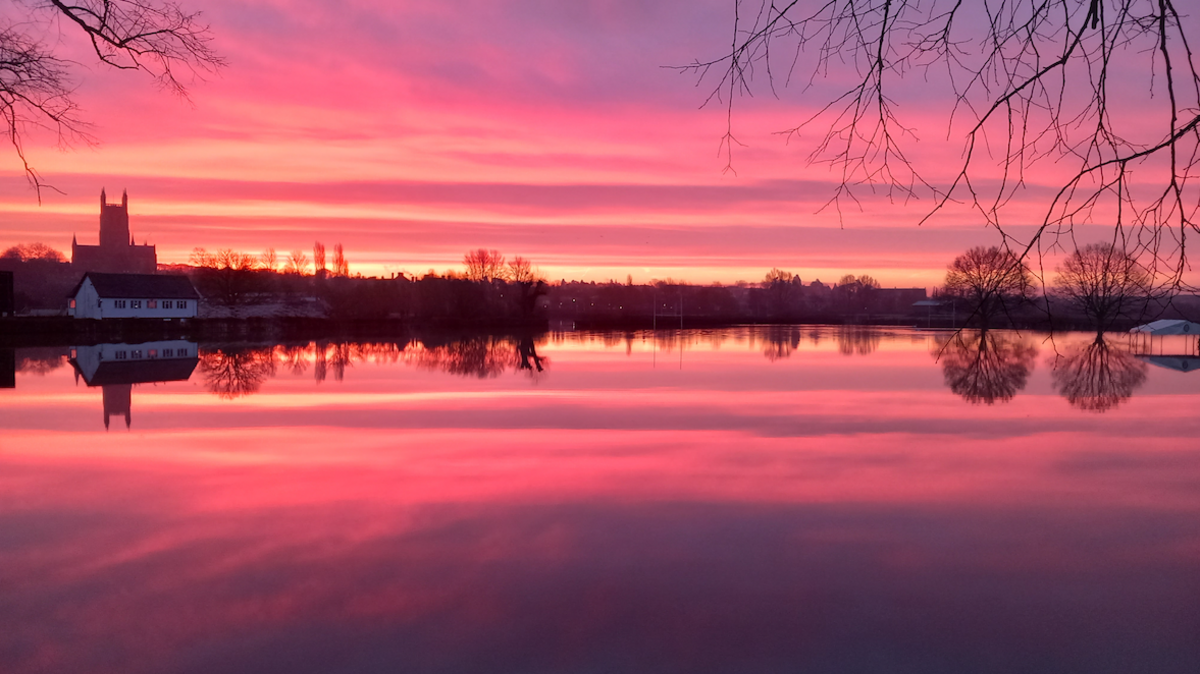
pixel 746 500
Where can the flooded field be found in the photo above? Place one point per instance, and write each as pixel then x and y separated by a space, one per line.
pixel 754 499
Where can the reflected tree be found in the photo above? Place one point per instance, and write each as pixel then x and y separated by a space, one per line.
pixel 39 360
pixel 484 357
pixel 985 367
pixel 335 357
pixel 856 340
pixel 1098 376
pixel 233 373
pixel 781 340
pixel 293 357
pixel 527 356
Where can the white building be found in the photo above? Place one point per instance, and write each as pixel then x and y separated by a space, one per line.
pixel 101 296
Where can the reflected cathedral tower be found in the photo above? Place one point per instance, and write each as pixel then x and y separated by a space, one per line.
pixel 115 368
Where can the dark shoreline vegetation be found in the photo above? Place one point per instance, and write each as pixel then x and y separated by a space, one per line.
pixel 245 297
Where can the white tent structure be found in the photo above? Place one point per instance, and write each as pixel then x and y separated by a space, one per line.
pixel 1185 332
pixel 1168 327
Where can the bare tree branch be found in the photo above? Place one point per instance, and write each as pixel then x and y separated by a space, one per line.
pixel 157 37
pixel 1039 76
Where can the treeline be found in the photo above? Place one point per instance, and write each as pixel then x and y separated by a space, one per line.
pixel 1101 286
pixel 490 291
pixel 42 277
pixel 782 297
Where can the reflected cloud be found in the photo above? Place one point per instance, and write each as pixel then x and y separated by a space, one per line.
pixel 1097 376
pixel 984 366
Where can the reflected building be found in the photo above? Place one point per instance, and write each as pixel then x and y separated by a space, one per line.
pixel 8 368
pixel 116 368
pixel 1177 363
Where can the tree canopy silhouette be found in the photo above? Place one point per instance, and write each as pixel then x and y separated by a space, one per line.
pixel 1104 282
pixel 1084 91
pixel 988 280
pixel 157 37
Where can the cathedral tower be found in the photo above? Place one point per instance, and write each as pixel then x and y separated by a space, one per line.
pixel 114 222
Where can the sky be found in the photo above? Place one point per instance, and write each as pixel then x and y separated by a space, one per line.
pixel 414 131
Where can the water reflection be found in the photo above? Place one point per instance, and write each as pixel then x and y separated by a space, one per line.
pixel 1097 376
pixel 1177 363
pixel 857 340
pixel 782 341
pixel 985 366
pixel 816 513
pixel 8 369
pixel 116 368
pixel 483 357
pixel 233 372
pixel 40 361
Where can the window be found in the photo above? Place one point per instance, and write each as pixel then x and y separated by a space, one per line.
pixel 181 304
pixel 166 304
pixel 71 303
pixel 120 304
pixel 136 304
pixel 167 353
pixel 182 353
pixel 153 353
pixel 151 304
pixel 137 353
pixel 121 355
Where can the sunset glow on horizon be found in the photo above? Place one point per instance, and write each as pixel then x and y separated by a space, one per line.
pixel 412 132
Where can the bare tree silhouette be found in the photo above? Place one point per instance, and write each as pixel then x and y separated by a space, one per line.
pixel 157 37
pixel 988 280
pixel 1097 376
pixel 297 263
pixel 1024 85
pixel 1105 283
pixel 984 366
pixel 484 265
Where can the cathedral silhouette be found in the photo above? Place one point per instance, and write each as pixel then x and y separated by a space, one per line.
pixel 117 253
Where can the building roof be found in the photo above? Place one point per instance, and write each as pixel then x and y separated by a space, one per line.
pixel 1169 327
pixel 140 371
pixel 157 286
